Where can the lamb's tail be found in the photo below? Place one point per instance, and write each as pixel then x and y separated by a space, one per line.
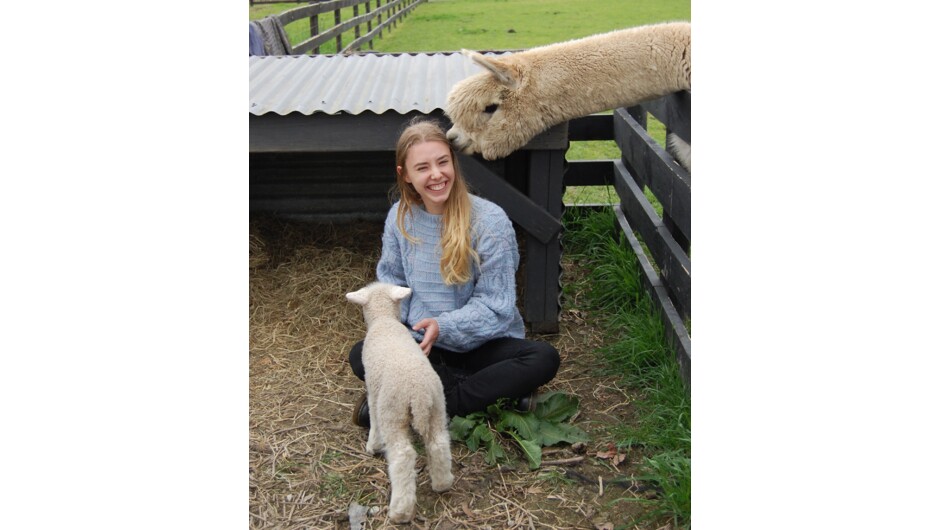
pixel 421 416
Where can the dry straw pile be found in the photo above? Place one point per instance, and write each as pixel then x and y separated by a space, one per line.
pixel 307 463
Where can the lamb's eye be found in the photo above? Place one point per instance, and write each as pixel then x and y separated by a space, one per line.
pixel 491 108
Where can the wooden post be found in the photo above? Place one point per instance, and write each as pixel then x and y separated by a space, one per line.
pixel 369 24
pixel 339 38
pixel 356 29
pixel 378 4
pixel 315 28
pixel 543 260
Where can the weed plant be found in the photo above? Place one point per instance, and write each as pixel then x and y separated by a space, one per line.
pixel 638 353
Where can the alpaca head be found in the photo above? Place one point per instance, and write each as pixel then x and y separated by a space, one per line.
pixel 379 299
pixel 488 109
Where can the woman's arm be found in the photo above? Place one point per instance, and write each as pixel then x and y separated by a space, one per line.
pixel 491 310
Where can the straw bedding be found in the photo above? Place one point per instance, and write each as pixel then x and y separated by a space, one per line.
pixel 307 463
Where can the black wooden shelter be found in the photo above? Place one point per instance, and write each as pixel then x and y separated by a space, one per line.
pixel 322 138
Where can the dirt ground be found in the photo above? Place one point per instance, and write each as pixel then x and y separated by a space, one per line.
pixel 307 462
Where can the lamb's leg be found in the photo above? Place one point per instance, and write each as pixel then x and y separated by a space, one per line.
pixel 375 444
pixel 401 458
pixel 438 449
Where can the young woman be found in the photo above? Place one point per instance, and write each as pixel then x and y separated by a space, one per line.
pixel 458 254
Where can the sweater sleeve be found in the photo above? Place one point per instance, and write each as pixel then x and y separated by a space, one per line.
pixel 390 268
pixel 491 310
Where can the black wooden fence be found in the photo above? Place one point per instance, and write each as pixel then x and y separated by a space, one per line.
pixel 373 20
pixel 644 164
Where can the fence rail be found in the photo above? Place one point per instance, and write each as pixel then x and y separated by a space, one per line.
pixel 374 20
pixel 644 164
pixel 252 3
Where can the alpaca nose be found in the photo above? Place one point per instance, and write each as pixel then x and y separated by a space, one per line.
pixel 454 137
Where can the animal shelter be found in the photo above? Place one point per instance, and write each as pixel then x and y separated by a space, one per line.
pixel 322 145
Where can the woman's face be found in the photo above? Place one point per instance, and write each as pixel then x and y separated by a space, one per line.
pixel 430 169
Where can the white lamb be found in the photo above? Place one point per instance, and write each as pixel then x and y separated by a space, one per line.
pixel 403 391
pixel 520 95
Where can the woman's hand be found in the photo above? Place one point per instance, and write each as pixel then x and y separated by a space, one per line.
pixel 431 332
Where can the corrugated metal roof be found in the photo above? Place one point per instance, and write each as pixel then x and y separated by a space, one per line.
pixel 355 83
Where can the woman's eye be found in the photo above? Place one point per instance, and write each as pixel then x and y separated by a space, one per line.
pixel 491 108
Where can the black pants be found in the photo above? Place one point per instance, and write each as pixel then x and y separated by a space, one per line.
pixel 501 368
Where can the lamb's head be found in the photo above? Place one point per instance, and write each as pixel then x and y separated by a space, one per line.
pixel 379 299
pixel 488 110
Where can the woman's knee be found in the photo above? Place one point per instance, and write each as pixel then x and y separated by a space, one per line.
pixel 355 361
pixel 548 359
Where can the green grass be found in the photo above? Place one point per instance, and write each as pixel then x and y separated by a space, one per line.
pixel 638 353
pixel 447 25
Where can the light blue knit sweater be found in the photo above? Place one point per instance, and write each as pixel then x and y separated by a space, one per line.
pixel 470 314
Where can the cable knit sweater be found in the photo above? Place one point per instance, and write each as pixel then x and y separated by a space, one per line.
pixel 470 314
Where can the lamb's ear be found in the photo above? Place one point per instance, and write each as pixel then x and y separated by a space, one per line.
pixel 358 297
pixel 399 293
pixel 499 70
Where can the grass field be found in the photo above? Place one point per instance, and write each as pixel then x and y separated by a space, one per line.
pixel 448 25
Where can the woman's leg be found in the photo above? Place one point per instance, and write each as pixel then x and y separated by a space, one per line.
pixel 501 368
pixel 355 361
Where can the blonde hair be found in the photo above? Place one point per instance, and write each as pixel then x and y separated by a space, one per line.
pixel 457 252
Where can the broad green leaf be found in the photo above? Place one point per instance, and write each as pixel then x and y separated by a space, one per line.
pixel 494 452
pixel 531 450
pixel 552 433
pixel 460 427
pixel 556 406
pixel 525 424
pixel 480 433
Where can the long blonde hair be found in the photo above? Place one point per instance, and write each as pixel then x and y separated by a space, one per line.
pixel 457 252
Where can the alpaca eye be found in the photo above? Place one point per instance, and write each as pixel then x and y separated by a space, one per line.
pixel 490 109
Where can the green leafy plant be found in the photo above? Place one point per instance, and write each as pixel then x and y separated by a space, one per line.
pixel 530 431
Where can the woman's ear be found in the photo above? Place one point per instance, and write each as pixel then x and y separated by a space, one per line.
pixel 399 169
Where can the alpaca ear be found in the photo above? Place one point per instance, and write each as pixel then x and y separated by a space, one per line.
pixel 358 297
pixel 399 293
pixel 500 71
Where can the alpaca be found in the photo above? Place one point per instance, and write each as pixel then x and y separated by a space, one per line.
pixel 499 110
pixel 403 390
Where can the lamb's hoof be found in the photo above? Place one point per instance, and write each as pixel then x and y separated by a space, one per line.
pixel 375 450
pixel 401 517
pixel 445 485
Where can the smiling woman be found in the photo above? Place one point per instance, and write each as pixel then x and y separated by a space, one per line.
pixel 458 254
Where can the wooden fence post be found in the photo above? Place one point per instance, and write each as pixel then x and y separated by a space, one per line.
pixel 356 29
pixel 315 29
pixel 369 24
pixel 339 37
pixel 378 4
